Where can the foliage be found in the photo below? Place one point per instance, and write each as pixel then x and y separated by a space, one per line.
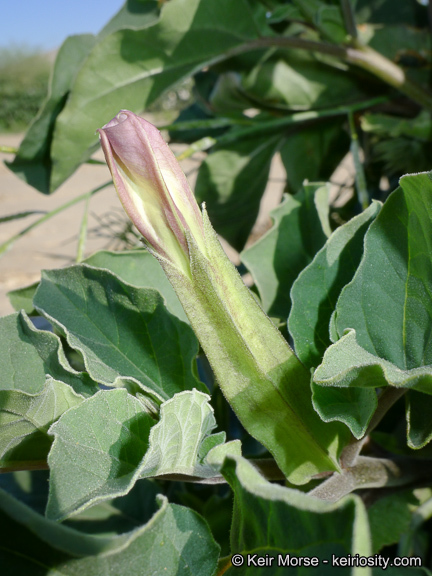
pixel 181 432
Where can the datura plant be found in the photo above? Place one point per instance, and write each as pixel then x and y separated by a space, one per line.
pixel 158 417
pixel 324 460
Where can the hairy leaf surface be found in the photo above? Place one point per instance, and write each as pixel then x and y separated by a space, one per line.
pixel 121 331
pixel 96 451
pixel 27 355
pixel 105 445
pixel 139 268
pixel 294 522
pixel 178 538
pixel 389 295
pixel 25 419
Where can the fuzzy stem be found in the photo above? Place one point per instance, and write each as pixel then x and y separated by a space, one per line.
pixel 373 473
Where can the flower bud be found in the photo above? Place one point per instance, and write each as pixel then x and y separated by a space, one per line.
pixel 152 187
pixel 260 376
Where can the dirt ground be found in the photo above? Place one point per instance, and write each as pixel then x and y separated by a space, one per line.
pixel 54 243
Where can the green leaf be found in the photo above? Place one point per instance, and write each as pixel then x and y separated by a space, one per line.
pixel 295 523
pixel 327 18
pixel 19 215
pixel 25 419
pixel 389 294
pixel 27 355
pixel 141 269
pixel 96 451
pixel 284 12
pixel 346 363
pixel 33 163
pixel 121 331
pixel 102 448
pixel 182 439
pixel 131 68
pixel 314 152
pixel 299 80
pixel 279 256
pixel 315 292
pixel 22 298
pixel 419 425
pixel 389 518
pixel 352 406
pixel 178 538
pixel 133 14
pixel 232 180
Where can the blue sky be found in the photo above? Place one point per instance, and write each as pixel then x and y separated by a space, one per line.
pixel 45 24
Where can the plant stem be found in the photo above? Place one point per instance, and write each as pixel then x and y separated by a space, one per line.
pixel 32 465
pixel 358 54
pixel 360 177
pixel 349 18
pixel 389 72
pixel 373 473
pixel 83 231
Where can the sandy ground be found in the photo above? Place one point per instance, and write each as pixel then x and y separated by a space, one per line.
pixel 54 243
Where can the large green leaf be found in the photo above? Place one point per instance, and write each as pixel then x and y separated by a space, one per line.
pixel 33 162
pixel 25 419
pixel 121 331
pixel 270 520
pixel 315 292
pixel 27 355
pixel 384 315
pixel 232 180
pixel 106 444
pixel 139 268
pixel 96 451
pixel 390 293
pixel 175 541
pixel 279 256
pixel 131 68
